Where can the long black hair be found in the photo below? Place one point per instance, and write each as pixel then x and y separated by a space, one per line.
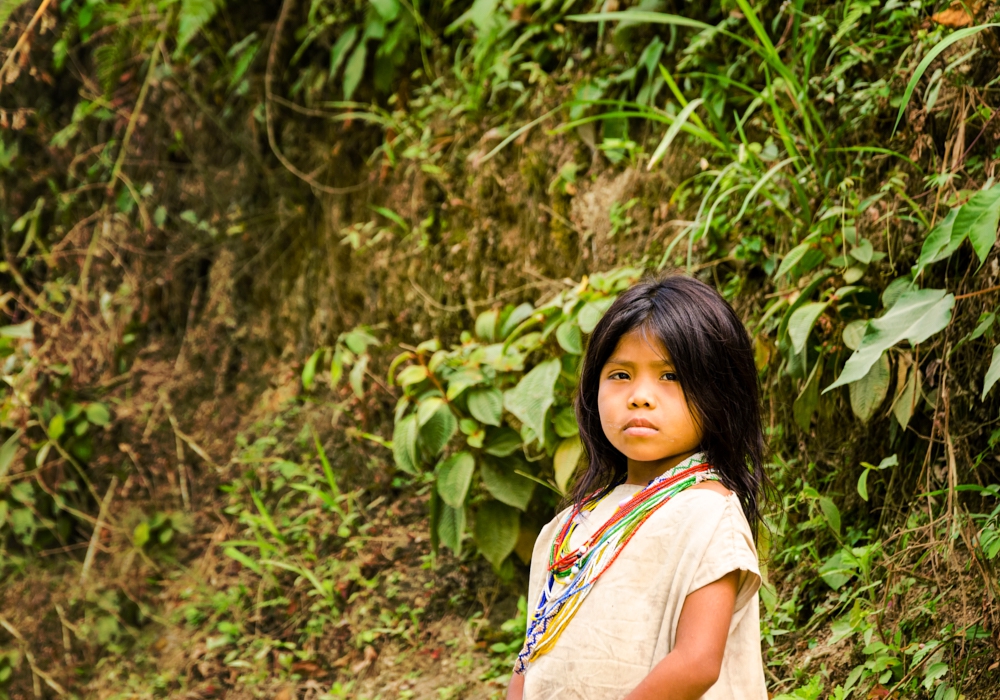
pixel 714 359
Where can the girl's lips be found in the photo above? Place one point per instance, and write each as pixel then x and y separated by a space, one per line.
pixel 640 431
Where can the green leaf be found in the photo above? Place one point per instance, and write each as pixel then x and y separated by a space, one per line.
pixel 454 475
pixel 830 512
pixel 194 15
pixel 309 370
pixel 242 558
pixel 357 376
pixel 506 485
pixel 993 373
pixel 411 374
pixel 931 55
pixel 590 314
pixel 462 379
pixel 533 395
pixel 863 484
pixel 801 323
pixel 906 400
pixel 941 242
pixel 516 317
pixel 427 408
pixel 806 402
pixel 23 331
pixel 404 444
pixel 565 423
pixel 486 324
pixel 451 527
pixel 98 414
pixel 336 368
pixel 863 252
pixel 868 393
pixel 566 460
pixel 497 527
pixel 854 333
pixel 486 405
pixel 7 452
pixel 896 289
pixel 568 336
pixel 355 70
pixel 978 219
pixel 503 442
pixel 140 535
pixel 359 340
pixel 388 9
pixel 57 426
pixel 438 430
pixel 793 258
pixel 917 315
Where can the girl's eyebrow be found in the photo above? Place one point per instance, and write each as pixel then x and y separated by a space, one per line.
pixel 627 363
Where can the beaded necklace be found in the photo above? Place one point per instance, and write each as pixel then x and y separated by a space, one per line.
pixel 572 573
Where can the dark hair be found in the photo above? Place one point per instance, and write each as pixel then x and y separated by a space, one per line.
pixel 714 359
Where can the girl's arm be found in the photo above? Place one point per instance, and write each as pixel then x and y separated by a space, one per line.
pixel 693 665
pixel 515 691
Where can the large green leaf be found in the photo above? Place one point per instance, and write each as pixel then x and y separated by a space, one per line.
pixel 533 395
pixel 503 442
pixel 993 373
pixel 565 423
pixel 978 219
pixel 438 429
pixel 461 380
pixel 569 337
pixel 801 323
pixel 505 484
pixel 451 527
pixel 516 317
pixel 486 405
pixel 915 317
pixel 941 242
pixel 497 527
pixel 566 459
pixel 404 444
pixel 868 393
pixel 454 475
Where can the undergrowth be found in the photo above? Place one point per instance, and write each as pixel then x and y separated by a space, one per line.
pixel 295 295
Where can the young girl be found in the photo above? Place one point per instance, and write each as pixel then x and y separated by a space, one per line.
pixel 647 586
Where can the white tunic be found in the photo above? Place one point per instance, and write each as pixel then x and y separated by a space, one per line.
pixel 627 622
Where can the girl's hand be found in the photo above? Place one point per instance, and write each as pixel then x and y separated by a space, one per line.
pixel 515 691
pixel 693 665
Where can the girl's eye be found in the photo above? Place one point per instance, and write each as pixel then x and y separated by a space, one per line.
pixel 670 376
pixel 616 375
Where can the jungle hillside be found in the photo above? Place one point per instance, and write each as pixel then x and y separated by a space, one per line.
pixel 295 293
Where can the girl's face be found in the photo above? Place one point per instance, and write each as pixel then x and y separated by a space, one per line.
pixel 642 406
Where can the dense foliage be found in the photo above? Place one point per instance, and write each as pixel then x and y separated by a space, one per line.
pixel 221 223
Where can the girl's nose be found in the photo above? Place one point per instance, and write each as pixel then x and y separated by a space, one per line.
pixel 640 400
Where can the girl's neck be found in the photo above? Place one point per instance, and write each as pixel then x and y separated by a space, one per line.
pixel 643 472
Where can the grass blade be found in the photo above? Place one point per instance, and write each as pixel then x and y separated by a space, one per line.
pixel 760 183
pixel 672 132
pixel 931 55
